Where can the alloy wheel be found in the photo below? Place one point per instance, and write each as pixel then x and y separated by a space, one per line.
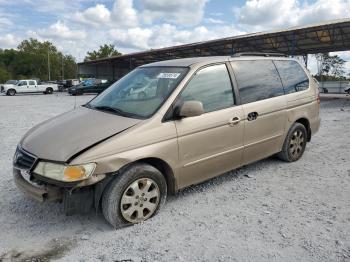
pixel 296 144
pixel 140 200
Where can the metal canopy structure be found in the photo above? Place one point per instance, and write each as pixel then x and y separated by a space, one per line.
pixel 323 37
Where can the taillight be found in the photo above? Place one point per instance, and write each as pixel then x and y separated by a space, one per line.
pixel 318 99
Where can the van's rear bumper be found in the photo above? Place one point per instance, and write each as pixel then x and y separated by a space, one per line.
pixel 40 193
pixel 315 125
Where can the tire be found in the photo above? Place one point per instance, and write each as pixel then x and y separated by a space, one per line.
pixel 48 90
pixel 294 144
pixel 122 205
pixel 11 92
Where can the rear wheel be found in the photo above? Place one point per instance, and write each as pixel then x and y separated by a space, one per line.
pixel 11 92
pixel 294 144
pixel 135 195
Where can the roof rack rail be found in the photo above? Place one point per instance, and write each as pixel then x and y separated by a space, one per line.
pixel 258 54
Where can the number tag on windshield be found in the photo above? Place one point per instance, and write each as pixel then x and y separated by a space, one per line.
pixel 168 75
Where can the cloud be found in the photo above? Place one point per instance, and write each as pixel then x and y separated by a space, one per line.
pixel 5 23
pixel 261 15
pixel 213 21
pixel 59 30
pixel 124 14
pixel 166 35
pixel 9 41
pixel 95 16
pixel 183 12
pixel 131 38
pixel 50 6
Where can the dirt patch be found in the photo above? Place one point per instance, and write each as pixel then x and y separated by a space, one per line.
pixel 54 250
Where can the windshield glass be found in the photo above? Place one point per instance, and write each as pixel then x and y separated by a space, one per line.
pixel 141 92
pixel 11 82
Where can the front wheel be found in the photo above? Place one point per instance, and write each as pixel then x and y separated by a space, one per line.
pixel 294 144
pixel 135 195
pixel 11 92
pixel 48 90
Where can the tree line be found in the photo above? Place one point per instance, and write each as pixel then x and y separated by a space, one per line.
pixel 42 60
pixel 31 59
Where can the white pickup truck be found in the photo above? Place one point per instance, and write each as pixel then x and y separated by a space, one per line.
pixel 28 86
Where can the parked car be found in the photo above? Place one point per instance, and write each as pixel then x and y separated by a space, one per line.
pixel 88 88
pixel 125 153
pixel 143 90
pixel 29 86
pixel 71 82
pixel 347 89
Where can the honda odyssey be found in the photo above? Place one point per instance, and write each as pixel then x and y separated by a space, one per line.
pixel 124 153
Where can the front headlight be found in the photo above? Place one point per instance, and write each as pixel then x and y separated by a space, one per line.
pixel 64 173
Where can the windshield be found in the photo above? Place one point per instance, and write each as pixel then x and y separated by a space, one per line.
pixel 11 82
pixel 141 92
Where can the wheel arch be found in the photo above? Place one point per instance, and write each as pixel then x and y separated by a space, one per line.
pixel 305 122
pixel 164 168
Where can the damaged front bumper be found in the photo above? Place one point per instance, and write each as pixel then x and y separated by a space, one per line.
pixel 36 190
pixel 75 199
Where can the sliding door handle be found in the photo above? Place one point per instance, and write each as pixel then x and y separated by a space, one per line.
pixel 234 121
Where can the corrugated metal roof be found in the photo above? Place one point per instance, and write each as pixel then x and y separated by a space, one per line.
pixel 328 36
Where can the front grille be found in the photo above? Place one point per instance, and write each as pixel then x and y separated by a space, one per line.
pixel 23 160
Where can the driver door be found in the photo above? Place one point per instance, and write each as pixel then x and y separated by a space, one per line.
pixel 23 87
pixel 212 143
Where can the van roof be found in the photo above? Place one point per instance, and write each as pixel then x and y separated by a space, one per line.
pixel 186 62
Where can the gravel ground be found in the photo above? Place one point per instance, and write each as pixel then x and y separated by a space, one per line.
pixel 267 211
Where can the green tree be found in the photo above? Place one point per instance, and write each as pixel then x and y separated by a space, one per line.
pixel 330 67
pixel 4 74
pixel 30 60
pixel 103 52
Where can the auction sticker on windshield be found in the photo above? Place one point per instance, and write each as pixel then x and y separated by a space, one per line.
pixel 168 75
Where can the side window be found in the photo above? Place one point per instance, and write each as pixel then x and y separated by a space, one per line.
pixel 31 83
pixel 257 80
pixel 211 86
pixel 293 76
pixel 22 83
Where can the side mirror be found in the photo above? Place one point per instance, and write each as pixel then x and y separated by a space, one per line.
pixel 191 108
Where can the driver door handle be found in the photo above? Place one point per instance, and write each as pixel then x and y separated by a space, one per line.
pixel 234 121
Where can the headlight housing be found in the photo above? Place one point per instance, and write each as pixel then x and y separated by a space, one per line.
pixel 64 173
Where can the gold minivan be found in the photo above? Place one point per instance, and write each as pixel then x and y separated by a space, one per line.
pixel 165 126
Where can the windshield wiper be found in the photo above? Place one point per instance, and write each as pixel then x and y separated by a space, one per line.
pixel 114 110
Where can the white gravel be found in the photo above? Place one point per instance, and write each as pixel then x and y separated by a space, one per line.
pixel 267 211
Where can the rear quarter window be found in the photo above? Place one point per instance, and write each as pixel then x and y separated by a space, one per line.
pixel 293 76
pixel 257 80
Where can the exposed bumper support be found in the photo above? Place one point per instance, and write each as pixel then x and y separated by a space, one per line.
pixel 41 194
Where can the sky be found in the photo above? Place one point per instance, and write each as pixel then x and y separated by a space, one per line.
pixel 78 26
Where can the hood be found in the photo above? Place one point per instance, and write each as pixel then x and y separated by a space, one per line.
pixel 64 136
pixel 7 86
